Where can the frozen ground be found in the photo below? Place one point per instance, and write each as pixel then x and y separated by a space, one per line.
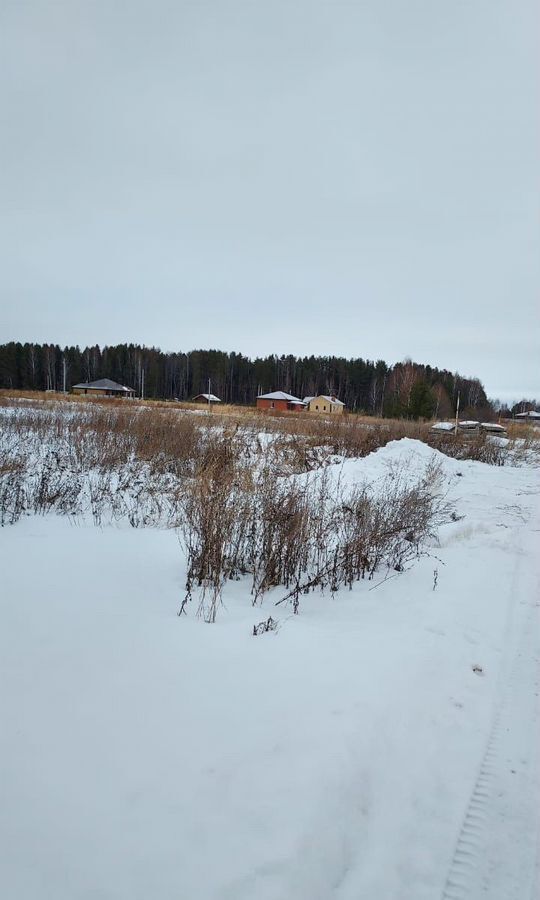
pixel 355 754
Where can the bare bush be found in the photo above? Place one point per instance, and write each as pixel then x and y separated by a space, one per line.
pixel 214 524
pixel 280 533
pixel 370 528
pixel 482 447
pixel 302 534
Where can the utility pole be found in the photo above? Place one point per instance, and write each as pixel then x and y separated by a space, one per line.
pixel 142 384
pixel 64 372
pixel 209 395
pixel 457 414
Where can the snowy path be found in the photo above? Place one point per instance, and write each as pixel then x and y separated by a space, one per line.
pixel 497 850
pixel 354 755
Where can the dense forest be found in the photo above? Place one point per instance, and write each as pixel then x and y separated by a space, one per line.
pixel 404 389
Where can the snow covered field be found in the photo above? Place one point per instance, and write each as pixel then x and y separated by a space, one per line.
pixel 381 745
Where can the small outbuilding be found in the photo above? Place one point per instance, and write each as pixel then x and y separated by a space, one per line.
pixel 325 403
pixel 103 387
pixel 279 400
pixel 206 398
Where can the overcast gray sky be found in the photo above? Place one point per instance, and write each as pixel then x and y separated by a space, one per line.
pixel 357 178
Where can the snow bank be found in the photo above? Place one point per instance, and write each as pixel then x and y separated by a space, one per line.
pixel 408 457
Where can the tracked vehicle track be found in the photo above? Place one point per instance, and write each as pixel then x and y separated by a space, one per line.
pixel 465 878
pixel 496 845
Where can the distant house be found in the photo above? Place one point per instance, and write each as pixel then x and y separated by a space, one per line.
pixel 279 400
pixel 529 418
pixel 206 398
pixel 325 403
pixel 103 387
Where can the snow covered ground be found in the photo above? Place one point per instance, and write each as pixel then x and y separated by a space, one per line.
pixel 381 745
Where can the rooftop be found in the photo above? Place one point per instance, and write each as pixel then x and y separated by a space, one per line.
pixel 328 397
pixel 210 398
pixel 279 395
pixel 104 384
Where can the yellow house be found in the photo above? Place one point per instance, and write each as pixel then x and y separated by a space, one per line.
pixel 324 404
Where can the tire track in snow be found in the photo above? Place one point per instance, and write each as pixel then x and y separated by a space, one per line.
pixel 475 869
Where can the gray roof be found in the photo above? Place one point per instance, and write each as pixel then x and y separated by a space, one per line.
pixel 210 398
pixel 104 384
pixel 279 395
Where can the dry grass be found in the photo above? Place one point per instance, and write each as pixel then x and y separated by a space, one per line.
pixel 217 477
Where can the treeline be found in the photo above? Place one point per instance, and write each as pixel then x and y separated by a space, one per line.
pixel 406 389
